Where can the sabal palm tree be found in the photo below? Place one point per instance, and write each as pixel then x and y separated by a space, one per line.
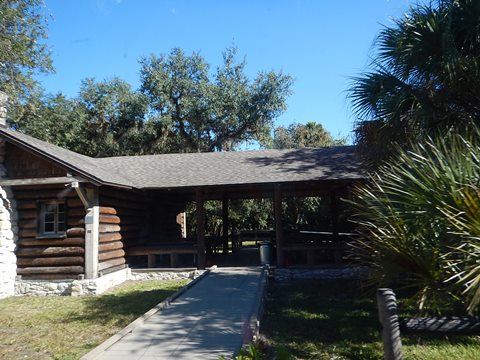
pixel 425 77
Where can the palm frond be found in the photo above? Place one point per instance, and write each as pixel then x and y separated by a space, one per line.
pixel 419 217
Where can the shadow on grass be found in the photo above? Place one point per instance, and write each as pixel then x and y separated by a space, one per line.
pixel 325 320
pixel 121 308
pixel 318 319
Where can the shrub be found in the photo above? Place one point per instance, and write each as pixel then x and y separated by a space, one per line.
pixel 419 222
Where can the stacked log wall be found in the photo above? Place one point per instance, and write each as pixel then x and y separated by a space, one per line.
pixel 123 223
pixel 111 255
pixel 49 257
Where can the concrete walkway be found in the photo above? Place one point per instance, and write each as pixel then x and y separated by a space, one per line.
pixel 209 320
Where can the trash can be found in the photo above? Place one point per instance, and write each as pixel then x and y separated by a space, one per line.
pixel 265 251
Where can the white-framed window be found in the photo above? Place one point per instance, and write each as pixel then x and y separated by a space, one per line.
pixel 52 218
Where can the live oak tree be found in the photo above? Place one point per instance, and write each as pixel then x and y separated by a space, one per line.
pixel 215 111
pixel 106 119
pixel 52 118
pixel 311 134
pixel 180 107
pixel 23 51
pixel 115 119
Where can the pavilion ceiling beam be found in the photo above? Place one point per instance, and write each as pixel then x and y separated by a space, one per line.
pixel 288 190
pixel 261 191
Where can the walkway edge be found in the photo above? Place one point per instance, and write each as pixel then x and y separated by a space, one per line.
pixel 97 351
pixel 258 309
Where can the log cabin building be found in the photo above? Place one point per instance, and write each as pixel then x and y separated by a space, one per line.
pixel 67 216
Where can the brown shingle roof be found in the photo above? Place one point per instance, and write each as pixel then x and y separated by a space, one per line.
pixel 203 169
pixel 240 167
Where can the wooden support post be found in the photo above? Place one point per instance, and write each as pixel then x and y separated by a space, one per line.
pixel 200 217
pixel 310 257
pixel 173 260
pixel 152 260
pixel 92 223
pixel 277 209
pixel 387 313
pixel 225 224
pixel 337 252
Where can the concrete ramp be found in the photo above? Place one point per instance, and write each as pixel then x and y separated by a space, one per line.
pixel 212 318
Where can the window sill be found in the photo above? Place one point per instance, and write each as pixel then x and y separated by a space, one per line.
pixel 52 236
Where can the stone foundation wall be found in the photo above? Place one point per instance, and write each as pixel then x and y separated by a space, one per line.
pixel 8 235
pixel 43 288
pixel 166 275
pixel 334 273
pixel 95 286
pixel 71 287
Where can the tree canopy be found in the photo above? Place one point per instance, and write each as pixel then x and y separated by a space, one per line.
pixel 106 119
pixel 52 118
pixel 424 78
pixel 295 135
pixel 216 112
pixel 180 107
pixel 114 119
pixel 23 50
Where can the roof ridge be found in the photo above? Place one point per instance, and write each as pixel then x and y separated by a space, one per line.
pixel 222 152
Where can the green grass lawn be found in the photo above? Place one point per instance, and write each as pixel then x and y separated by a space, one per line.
pixel 68 327
pixel 326 320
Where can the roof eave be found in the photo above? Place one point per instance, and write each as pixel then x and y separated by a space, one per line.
pixel 196 186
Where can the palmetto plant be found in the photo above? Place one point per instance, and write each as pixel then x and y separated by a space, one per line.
pixel 419 217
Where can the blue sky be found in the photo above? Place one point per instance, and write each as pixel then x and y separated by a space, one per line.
pixel 321 43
